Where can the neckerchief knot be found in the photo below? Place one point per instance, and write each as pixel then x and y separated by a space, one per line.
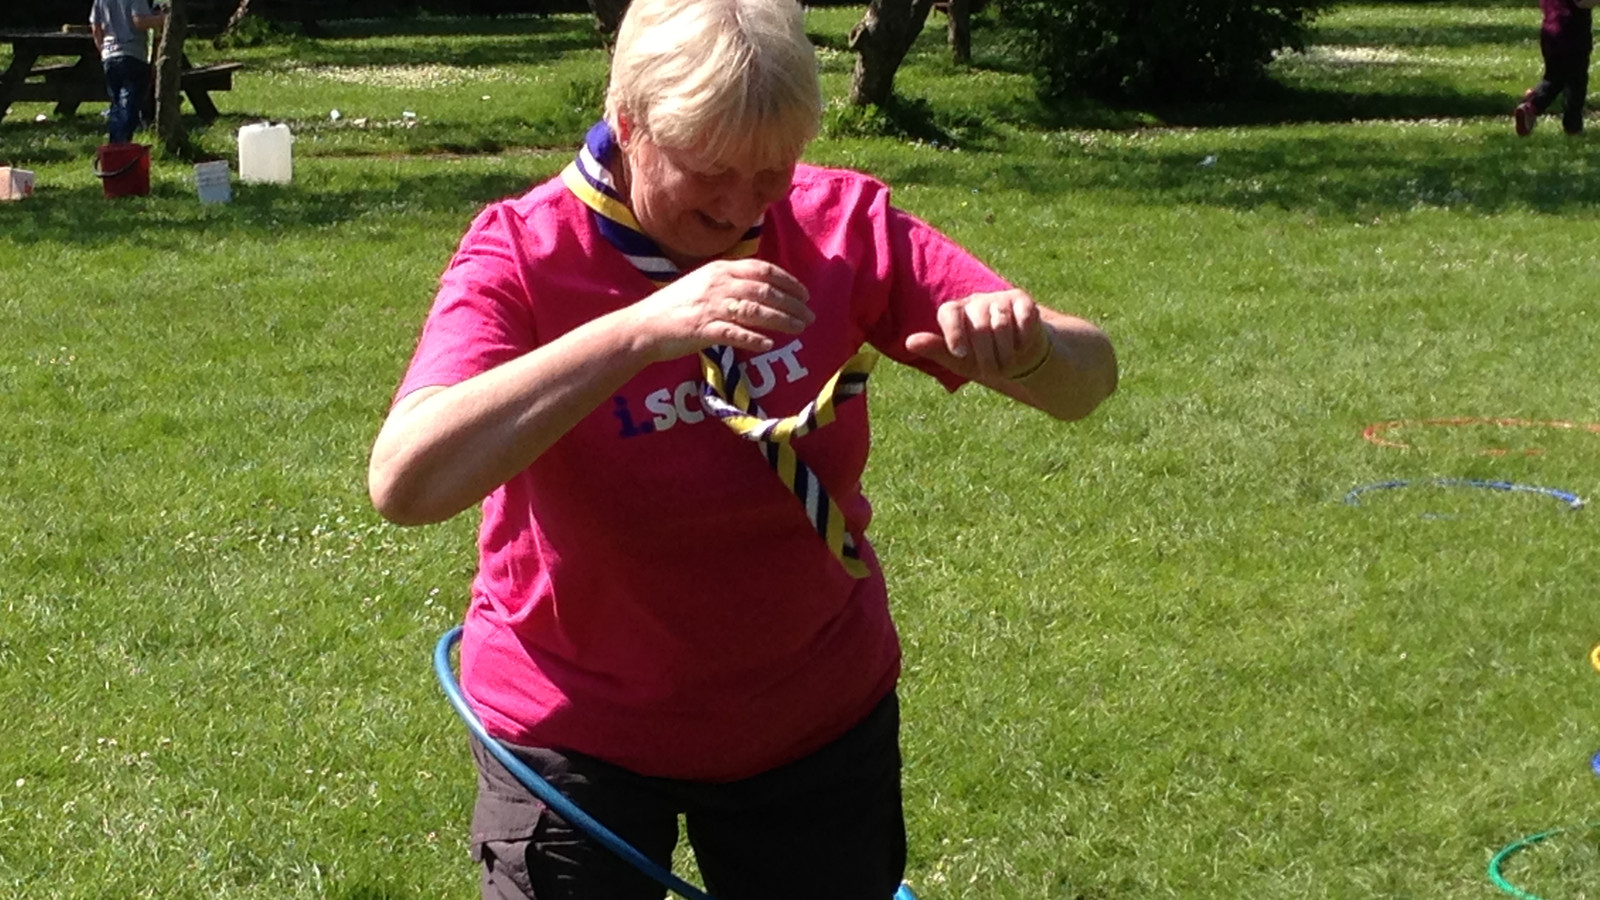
pixel 725 393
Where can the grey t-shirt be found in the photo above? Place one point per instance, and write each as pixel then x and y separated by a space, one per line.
pixel 123 38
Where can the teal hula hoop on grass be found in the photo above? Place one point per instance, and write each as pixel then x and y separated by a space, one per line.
pixel 547 792
pixel 1510 850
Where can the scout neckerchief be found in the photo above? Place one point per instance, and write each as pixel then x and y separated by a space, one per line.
pixel 725 392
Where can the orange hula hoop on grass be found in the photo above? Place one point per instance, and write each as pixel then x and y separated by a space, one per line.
pixel 1374 433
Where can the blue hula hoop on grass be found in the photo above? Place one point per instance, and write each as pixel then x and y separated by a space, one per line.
pixel 547 792
pixel 1573 501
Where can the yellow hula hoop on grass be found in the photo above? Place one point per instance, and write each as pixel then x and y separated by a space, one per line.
pixel 1594 657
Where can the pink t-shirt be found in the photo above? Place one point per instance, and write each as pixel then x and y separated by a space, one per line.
pixel 649 592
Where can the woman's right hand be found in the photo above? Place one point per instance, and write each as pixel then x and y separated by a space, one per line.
pixel 728 301
pixel 443 449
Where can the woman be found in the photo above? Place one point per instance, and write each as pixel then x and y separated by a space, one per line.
pixel 676 610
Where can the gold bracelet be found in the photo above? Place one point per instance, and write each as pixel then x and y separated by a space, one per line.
pixel 1049 351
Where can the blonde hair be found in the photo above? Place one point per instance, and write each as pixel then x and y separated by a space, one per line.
pixel 732 79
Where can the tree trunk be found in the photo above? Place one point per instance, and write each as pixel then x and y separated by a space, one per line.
pixel 880 41
pixel 239 12
pixel 306 12
pixel 608 18
pixel 169 76
pixel 960 14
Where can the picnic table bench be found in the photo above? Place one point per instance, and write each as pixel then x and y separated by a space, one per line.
pixel 69 84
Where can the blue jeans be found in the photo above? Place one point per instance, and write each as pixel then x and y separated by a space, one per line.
pixel 128 82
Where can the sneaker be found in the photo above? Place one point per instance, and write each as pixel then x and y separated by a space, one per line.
pixel 1524 116
pixel 1572 125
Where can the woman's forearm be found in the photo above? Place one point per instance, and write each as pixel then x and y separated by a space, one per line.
pixel 1078 374
pixel 443 449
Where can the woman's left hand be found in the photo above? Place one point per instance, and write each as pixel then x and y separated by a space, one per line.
pixel 986 336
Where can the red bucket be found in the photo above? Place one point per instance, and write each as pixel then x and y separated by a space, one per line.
pixel 124 169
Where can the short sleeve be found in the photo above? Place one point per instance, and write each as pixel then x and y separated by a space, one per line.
pixel 926 269
pixel 482 316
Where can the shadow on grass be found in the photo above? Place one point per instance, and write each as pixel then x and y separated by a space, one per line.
pixel 55 140
pixel 1348 175
pixel 1472 4
pixel 464 42
pixel 1271 104
pixel 367 890
pixel 543 50
pixel 447 26
pixel 73 140
pixel 172 218
pixel 912 118
pixel 1430 35
pixel 824 41
pixel 1351 173
pixel 1278 105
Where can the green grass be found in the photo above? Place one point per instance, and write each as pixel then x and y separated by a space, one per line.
pixel 1153 654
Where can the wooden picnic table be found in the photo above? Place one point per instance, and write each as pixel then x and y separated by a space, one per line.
pixel 31 77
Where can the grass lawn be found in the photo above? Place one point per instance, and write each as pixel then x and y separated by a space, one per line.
pixel 1152 654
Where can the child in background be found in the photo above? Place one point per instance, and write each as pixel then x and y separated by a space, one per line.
pixel 119 27
pixel 1566 39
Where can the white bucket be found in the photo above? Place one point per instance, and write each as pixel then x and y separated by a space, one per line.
pixel 213 182
pixel 265 154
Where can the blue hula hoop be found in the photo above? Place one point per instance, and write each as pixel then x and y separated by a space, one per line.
pixel 1573 501
pixel 547 792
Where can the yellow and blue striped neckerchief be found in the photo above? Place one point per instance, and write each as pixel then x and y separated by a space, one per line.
pixel 725 393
